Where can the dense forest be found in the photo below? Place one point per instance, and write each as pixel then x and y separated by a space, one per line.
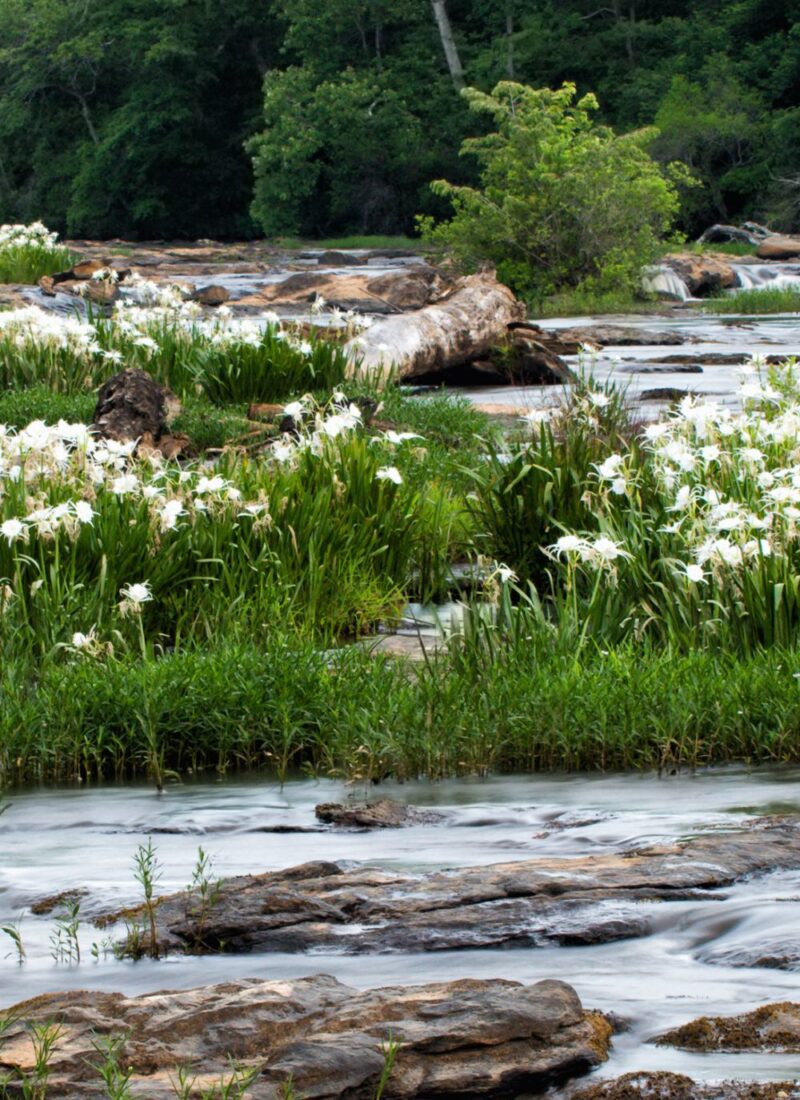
pixel 187 118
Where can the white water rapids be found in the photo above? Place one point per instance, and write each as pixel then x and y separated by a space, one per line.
pixel 56 840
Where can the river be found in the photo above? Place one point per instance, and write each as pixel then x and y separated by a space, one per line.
pixel 54 840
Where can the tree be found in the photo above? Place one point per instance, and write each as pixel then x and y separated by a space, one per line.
pixel 563 201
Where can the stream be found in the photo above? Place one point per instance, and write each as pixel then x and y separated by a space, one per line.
pixel 54 840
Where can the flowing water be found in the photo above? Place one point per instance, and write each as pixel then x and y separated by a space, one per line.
pixel 57 840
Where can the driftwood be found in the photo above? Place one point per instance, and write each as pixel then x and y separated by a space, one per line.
pixel 455 330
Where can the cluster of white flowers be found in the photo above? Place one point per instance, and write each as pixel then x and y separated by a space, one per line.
pixel 729 479
pixel 600 552
pixel 35 327
pixel 35 235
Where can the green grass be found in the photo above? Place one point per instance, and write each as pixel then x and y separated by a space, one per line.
pixel 19 407
pixel 726 248
pixel 286 706
pixel 577 303
pixel 28 264
pixel 756 300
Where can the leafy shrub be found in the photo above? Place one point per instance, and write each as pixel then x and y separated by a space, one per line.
pixel 563 201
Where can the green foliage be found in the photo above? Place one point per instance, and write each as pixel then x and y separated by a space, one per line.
pixel 756 300
pixel 563 201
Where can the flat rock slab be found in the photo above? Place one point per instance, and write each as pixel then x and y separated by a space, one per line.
pixel 384 813
pixel 675 1086
pixel 356 910
pixel 774 1028
pixel 464 1038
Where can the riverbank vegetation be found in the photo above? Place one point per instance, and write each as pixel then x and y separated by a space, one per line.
pixel 159 615
pixel 757 300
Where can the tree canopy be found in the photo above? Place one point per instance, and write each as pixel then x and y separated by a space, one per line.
pixel 184 118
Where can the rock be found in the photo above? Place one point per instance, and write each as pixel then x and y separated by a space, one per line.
pixel 569 341
pixel 779 248
pixel 357 909
pixel 333 258
pixel 264 411
pixel 132 405
pixel 703 274
pixel 383 814
pixel 774 1028
pixel 779 954
pixel 675 1086
pixel 458 1039
pixel 719 234
pixel 664 393
pixel 394 292
pixel 211 295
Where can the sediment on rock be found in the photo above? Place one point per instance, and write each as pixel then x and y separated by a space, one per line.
pixel 774 1027
pixel 462 1038
pixel 661 1085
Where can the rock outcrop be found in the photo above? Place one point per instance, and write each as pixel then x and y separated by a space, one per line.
pixel 464 1038
pixel 703 274
pixel 357 910
pixel 778 247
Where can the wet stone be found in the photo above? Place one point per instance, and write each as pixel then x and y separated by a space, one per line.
pixel 462 1038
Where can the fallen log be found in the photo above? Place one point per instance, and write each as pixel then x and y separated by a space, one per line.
pixel 461 327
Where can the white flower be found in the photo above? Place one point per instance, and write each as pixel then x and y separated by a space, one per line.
pixel 389 473
pixel 610 468
pixel 505 573
pixel 295 409
pixel 568 544
pixel 126 483
pixel 81 641
pixel 12 530
pixel 84 511
pixel 694 573
pixel 399 437
pixel 168 516
pixel 605 550
pixel 137 593
pixel 599 399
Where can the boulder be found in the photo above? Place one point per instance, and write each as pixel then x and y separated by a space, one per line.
pixel 703 274
pixel 383 814
pixel 570 341
pixel 393 292
pixel 779 248
pixel 774 1028
pixel 453 1039
pixel 360 909
pixel 211 295
pixel 721 234
pixel 132 405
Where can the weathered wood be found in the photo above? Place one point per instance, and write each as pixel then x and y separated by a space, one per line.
pixel 461 327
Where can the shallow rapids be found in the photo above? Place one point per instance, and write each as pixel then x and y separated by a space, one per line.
pixel 58 840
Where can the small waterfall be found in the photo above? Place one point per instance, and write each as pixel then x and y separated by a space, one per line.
pixel 760 276
pixel 662 281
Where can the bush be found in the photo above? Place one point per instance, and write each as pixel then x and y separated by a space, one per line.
pixel 563 201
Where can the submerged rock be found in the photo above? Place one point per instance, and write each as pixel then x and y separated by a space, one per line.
pixel 357 910
pixel 774 1028
pixel 383 814
pixel 463 1038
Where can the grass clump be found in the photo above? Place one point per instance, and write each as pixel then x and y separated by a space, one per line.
pixel 27 252
pixel 756 300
